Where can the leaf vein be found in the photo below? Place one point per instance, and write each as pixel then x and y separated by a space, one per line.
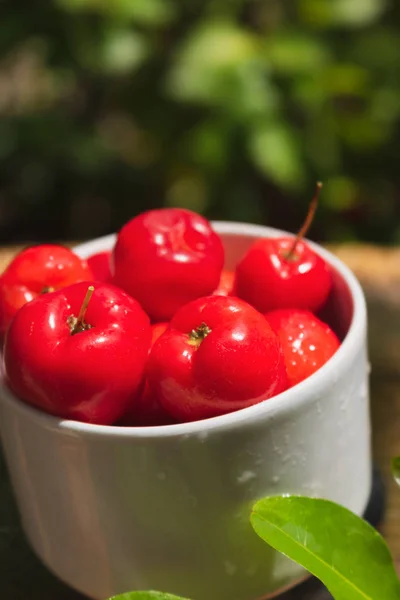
pixel 318 558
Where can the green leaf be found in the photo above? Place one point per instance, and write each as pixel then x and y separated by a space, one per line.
pixel 346 79
pixel 146 12
pixel 208 64
pixel 341 194
pixel 341 549
pixel 292 52
pixel 147 596
pixel 396 469
pixel 358 12
pixel 341 13
pixel 208 144
pixel 222 65
pixel 377 49
pixel 117 51
pixel 123 51
pixel 361 133
pixel 274 149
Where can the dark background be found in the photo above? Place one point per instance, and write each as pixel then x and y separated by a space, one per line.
pixel 233 108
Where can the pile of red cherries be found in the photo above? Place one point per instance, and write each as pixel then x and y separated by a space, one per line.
pixel 155 331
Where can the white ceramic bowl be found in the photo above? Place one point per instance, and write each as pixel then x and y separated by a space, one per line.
pixel 112 509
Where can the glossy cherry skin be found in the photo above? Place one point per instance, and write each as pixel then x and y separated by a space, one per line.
pixel 238 363
pixel 165 258
pixel 88 376
pixel 307 342
pixel 100 265
pixel 268 280
pixel 226 286
pixel 145 409
pixel 34 270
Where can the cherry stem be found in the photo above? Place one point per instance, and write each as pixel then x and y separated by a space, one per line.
pixel 78 324
pixel 84 306
pixel 307 223
pixel 196 336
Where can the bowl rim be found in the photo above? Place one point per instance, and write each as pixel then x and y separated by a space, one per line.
pixel 281 404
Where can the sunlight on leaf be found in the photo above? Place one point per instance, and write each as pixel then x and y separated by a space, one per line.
pixel 347 13
pixel 208 63
pixel 348 555
pixel 120 50
pixel 274 149
pixel 358 12
pixel 123 51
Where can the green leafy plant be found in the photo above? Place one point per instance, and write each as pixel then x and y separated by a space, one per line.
pixel 341 549
pixel 230 108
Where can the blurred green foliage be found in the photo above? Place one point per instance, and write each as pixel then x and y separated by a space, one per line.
pixel 233 108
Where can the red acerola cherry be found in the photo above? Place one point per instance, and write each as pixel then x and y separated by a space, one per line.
pixel 166 258
pixel 100 265
pixel 157 329
pixel 284 272
pixel 217 356
pixel 307 342
pixel 37 269
pixel 78 353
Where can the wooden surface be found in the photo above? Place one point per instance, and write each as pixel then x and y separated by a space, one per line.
pixel 22 576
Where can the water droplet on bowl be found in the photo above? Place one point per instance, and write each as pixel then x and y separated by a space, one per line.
pixel 230 568
pixel 246 476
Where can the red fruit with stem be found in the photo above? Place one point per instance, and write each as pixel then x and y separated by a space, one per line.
pixel 307 342
pixel 78 353
pixel 226 286
pixel 35 270
pixel 166 258
pixel 284 272
pixel 100 265
pixel 217 356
